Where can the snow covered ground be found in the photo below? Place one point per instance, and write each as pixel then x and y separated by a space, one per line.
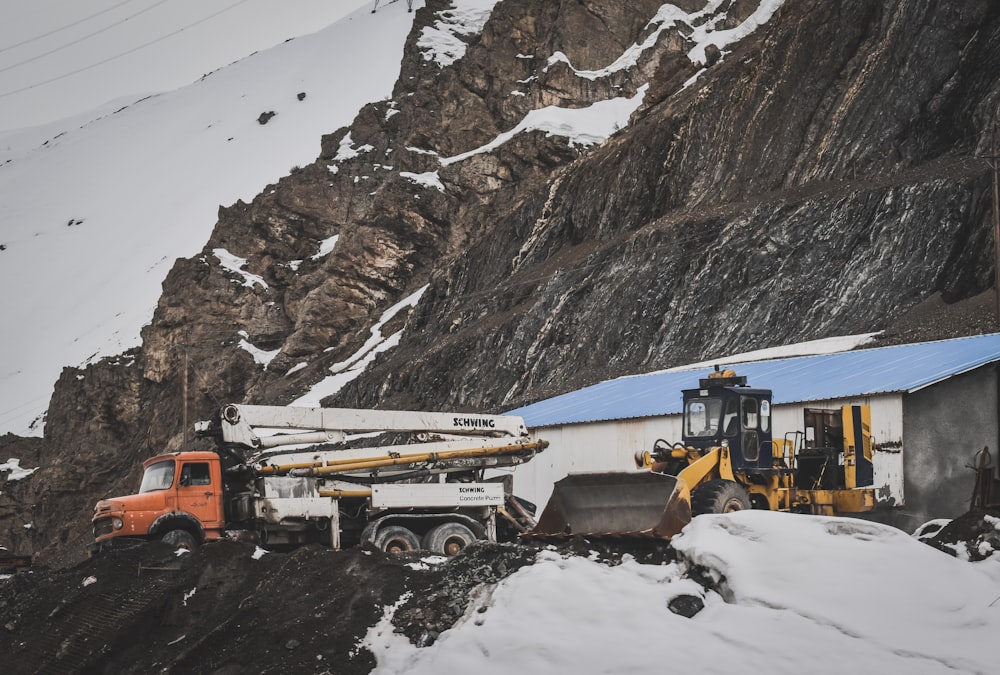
pixel 802 594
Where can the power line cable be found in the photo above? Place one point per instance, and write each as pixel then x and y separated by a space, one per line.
pixel 77 41
pixel 125 53
pixel 62 28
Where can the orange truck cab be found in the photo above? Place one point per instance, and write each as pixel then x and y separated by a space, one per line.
pixel 179 501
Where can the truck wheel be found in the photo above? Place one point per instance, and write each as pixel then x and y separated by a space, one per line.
pixel 396 539
pixel 448 539
pixel 180 539
pixel 719 496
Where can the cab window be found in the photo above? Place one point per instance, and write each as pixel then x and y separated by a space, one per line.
pixel 751 446
pixel 159 476
pixel 195 474
pixel 701 417
pixel 731 420
pixel 750 411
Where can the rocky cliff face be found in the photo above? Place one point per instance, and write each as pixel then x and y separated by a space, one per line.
pixel 820 176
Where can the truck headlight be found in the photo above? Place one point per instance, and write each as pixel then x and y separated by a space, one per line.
pixel 117 523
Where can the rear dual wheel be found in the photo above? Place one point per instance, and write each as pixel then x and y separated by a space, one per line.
pixel 396 539
pixel 445 539
pixel 448 539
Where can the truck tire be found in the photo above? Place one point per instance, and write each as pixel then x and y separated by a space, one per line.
pixel 448 539
pixel 180 539
pixel 719 496
pixel 396 539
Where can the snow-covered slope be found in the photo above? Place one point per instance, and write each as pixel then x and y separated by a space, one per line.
pixel 62 57
pixel 96 208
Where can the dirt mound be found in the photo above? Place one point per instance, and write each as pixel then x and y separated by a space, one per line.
pixel 221 609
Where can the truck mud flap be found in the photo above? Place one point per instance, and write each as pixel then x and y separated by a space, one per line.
pixel 616 504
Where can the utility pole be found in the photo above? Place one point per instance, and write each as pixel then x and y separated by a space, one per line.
pixel 994 159
pixel 184 394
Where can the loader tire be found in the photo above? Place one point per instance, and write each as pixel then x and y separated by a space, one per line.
pixel 396 539
pixel 719 496
pixel 448 539
pixel 180 539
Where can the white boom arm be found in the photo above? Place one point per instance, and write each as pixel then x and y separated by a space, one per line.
pixel 239 424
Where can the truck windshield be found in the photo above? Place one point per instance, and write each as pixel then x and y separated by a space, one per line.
pixel 701 417
pixel 159 476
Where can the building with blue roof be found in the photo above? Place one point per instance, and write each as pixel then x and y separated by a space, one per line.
pixel 934 406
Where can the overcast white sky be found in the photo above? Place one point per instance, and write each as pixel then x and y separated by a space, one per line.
pixel 62 57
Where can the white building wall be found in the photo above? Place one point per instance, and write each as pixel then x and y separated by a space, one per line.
pixel 612 445
pixel 594 446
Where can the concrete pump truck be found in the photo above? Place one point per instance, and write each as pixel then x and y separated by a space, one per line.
pixel 285 476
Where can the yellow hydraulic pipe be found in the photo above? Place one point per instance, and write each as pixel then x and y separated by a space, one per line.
pixel 355 464
pixel 271 468
pixel 339 466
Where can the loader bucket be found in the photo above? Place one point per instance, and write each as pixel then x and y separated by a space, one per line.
pixel 622 504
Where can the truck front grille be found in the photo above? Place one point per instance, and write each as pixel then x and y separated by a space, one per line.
pixel 102 526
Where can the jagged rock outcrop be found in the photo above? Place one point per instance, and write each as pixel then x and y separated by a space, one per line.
pixel 818 176
pixel 800 188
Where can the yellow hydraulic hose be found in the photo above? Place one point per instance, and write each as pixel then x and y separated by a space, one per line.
pixel 272 469
pixel 355 464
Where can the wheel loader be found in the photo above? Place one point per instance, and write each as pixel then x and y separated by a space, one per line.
pixel 726 461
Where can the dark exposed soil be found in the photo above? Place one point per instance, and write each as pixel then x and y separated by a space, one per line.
pixel 217 610
pixel 972 536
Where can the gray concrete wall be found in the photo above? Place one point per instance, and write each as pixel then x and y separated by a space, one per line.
pixel 944 426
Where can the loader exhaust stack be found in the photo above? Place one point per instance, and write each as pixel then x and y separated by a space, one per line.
pixel 619 504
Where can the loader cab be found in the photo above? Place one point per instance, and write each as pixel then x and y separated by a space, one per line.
pixel 723 410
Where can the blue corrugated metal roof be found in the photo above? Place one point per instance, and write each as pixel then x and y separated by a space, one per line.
pixel 903 368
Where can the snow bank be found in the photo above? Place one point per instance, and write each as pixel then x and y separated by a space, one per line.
pixel 801 594
pixel 847 581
